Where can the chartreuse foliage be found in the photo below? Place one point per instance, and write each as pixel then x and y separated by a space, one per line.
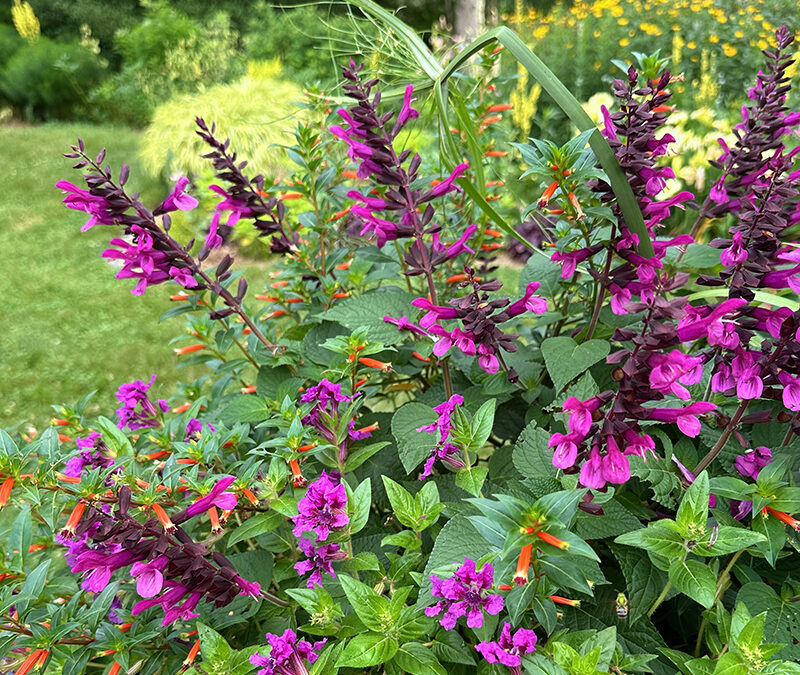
pixel 389 464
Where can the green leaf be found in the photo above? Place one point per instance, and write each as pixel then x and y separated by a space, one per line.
pixel 774 532
pixel 662 481
pixel 565 359
pixel 358 505
pixel 417 659
pixel 782 623
pixel 786 499
pixel 655 539
pixel 251 408
pixel 371 608
pixel 406 539
pixel 752 635
pixel 540 268
pixel 261 523
pixel 402 502
pixel 730 487
pixel 732 539
pixel 368 310
pixel 544 609
pixel 481 424
pixel 32 588
pixel 360 455
pixel 731 664
pixel 532 457
pixel 694 579
pixel 325 664
pixel 693 511
pixel 213 646
pixel 413 446
pixel 368 650
pixel 471 479
pixel 518 601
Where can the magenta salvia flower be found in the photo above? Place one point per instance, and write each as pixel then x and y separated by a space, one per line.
pixel 322 509
pixel 791 390
pixel 465 594
pixel 137 411
pixel 752 461
pixel 319 559
pixel 580 419
pixel 177 200
pixel 746 371
pixel 149 577
pixel 82 200
pixel 566 448
pixel 87 456
pixel 238 208
pixel 443 450
pixel 404 324
pixel 686 418
pixel 735 253
pixel 592 474
pixel 288 655
pixel 671 370
pixel 214 238
pixel 216 497
pixel 508 650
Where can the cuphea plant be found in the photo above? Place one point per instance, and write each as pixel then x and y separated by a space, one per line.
pixel 394 464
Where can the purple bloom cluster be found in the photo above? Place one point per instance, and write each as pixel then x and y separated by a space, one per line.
pixel 326 397
pixel 171 569
pixel 371 145
pixel 443 450
pixel 194 429
pixel 91 454
pixel 137 411
pixel 508 650
pixel 465 594
pixel 288 655
pixel 321 510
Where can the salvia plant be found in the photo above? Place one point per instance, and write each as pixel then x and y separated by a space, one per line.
pixel 393 463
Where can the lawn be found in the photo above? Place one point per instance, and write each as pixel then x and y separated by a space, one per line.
pixel 69 327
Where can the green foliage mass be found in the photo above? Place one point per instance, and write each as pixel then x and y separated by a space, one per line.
pixel 257 111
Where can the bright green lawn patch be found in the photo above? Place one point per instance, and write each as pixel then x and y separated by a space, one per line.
pixel 68 326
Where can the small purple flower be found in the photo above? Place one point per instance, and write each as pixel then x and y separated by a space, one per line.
pixel 751 462
pixel 87 456
pixel 639 445
pixel 686 418
pixel 443 425
pixel 237 207
pixel 465 594
pixel 447 453
pixel 671 370
pixel 82 200
pixel 322 509
pixel 615 464
pixel 137 411
pixel 581 418
pixel 319 559
pixel 288 655
pixel 404 324
pixel 149 577
pixel 217 497
pixel 194 429
pixel 735 253
pixel 791 390
pixel 747 371
pixel 213 238
pixel 508 650
pixel 116 604
pixel 178 200
pixel 566 449
pixel 592 474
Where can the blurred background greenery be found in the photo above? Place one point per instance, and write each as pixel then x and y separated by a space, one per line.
pixel 132 75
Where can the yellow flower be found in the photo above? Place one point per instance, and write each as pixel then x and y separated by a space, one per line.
pixel 729 50
pixel 624 42
pixel 539 32
pixel 738 34
pixel 762 44
pixel 623 21
pixel 713 38
pixel 597 33
pixel 650 28
pixel 691 44
pixel 616 11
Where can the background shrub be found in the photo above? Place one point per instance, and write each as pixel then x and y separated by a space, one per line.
pixel 47 80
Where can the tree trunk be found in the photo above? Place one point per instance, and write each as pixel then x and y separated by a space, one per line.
pixel 469 18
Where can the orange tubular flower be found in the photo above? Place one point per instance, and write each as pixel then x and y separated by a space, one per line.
pixel 279 284
pixel 373 363
pixel 290 195
pixel 360 382
pixel 491 120
pixel 182 408
pixel 524 562
pixel 292 301
pixel 369 429
pixel 188 349
pixel 345 265
pixel 575 205
pixel 783 517
pixel 250 496
pixel 275 314
pixel 187 662
pixel 125 627
pixel 547 195
pixel 553 541
pixel 492 233
pixel 223 517
pixel 504 587
pixel 42 657
pixel 565 601
pixel 5 491
pixel 497 49
pixel 493 198
pixel 338 296
pixel 249 390
pixel 339 214
pixel 457 278
pixel 115 668
pixel 297 475
pixel 36 547
pixel 491 247
pixel 306 448
pixel 64 438
pixel 495 153
pixel 59 423
pixel 267 298
pixel 163 518
pixel 246 330
pixel 28 663
pixel 419 356
pixel 75 480
pixel 158 455
pixel 349 173
pixel 214 518
pixel 178 297
pixel 499 107
pixel 73 520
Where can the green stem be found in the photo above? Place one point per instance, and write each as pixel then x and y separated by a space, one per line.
pixel 659 599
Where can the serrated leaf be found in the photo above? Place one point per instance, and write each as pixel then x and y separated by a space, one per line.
pixel 694 579
pixel 532 456
pixel 368 310
pixel 367 650
pixel 413 446
pixel 782 622
pixel 658 474
pixel 471 479
pixel 565 359
pixel 644 582
pixel 261 523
